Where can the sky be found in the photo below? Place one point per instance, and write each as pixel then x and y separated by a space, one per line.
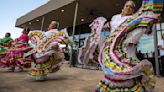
pixel 10 10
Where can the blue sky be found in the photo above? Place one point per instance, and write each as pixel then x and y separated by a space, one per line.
pixel 10 10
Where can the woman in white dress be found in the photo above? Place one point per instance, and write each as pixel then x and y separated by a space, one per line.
pixel 46 52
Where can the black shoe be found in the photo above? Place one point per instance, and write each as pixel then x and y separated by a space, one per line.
pixel 11 69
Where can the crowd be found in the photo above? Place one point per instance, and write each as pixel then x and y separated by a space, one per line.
pixel 124 72
pixel 37 50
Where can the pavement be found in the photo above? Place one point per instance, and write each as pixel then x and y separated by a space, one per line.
pixel 68 79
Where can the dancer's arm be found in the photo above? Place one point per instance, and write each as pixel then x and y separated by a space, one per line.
pixel 160 47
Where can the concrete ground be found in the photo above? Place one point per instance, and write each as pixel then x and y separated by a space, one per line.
pixel 65 80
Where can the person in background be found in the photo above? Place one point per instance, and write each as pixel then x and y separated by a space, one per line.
pixel 140 55
pixel 6 39
pixel 161 54
pixel 14 54
pixel 161 45
pixel 4 42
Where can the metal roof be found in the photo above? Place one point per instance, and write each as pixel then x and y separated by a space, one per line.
pixel 87 11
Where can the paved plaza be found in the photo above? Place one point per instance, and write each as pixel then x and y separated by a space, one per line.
pixel 65 80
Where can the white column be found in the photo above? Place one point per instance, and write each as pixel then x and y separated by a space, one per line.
pixel 42 24
pixel 156 51
pixel 74 26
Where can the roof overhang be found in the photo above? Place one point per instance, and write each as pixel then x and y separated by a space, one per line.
pixel 45 10
pixel 87 11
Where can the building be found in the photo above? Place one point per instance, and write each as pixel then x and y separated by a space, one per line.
pixel 72 14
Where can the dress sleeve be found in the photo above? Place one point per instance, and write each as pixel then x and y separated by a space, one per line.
pixel 160 42
pixel 23 38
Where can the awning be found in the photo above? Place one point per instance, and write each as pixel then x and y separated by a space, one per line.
pixel 33 18
pixel 63 11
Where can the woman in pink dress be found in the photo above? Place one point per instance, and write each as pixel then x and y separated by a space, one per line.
pixel 14 55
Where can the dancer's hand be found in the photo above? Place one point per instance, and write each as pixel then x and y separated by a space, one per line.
pixel 107 26
pixel 160 47
pixel 66 40
pixel 55 47
pixel 1 44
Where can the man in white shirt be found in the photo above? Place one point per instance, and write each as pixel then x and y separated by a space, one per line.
pixel 161 53
pixel 161 47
